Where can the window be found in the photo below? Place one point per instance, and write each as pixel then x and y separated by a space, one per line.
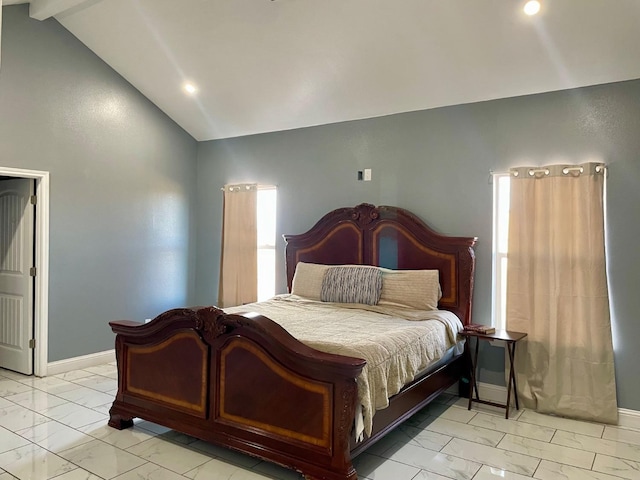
pixel 501 192
pixel 266 221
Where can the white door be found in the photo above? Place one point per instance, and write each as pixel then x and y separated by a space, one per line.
pixel 16 282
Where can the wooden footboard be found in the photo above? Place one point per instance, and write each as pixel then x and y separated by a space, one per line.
pixel 241 382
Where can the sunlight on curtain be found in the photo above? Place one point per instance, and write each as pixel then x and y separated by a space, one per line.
pixel 557 291
pixel 239 262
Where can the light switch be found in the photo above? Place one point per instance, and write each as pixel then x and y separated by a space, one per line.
pixel 367 174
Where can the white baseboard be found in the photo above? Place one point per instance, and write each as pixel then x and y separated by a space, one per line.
pixel 84 361
pixel 629 418
pixel 496 393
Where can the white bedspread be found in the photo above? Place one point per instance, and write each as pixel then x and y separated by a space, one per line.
pixel 396 343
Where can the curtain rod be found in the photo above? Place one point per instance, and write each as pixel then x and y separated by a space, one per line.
pixel 589 168
pixel 248 186
pixel 545 170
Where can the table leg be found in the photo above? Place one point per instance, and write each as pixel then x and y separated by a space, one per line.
pixel 511 348
pixel 513 373
pixel 474 384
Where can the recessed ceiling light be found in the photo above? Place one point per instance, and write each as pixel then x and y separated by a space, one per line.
pixel 190 88
pixel 532 7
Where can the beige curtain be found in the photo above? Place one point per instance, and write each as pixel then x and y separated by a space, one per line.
pixel 557 291
pixel 239 256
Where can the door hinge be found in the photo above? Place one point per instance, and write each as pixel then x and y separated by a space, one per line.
pixel 32 343
pixel 33 199
pixel 32 271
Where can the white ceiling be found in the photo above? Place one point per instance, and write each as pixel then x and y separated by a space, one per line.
pixel 263 66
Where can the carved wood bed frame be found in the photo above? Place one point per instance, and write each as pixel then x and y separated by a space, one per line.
pixel 243 382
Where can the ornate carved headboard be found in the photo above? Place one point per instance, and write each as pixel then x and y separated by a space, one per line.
pixel 389 237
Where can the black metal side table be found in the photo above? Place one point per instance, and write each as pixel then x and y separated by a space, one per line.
pixel 510 338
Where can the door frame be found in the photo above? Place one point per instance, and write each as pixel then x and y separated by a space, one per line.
pixel 41 294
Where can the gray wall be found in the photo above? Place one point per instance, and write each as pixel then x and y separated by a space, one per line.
pixel 436 163
pixel 123 211
pixel 122 177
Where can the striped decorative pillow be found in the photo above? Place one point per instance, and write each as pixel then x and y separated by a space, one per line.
pixel 352 284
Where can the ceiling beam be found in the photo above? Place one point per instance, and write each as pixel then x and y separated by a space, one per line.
pixel 43 9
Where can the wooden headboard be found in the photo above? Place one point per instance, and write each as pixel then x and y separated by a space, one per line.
pixel 389 237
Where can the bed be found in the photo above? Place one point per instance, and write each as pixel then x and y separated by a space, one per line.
pixel 242 381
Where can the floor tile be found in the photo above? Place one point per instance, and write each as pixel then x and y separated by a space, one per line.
pixel 98 382
pixel 424 475
pixel 86 397
pixel 169 455
pixel 32 462
pixel 9 441
pixel 74 415
pixel 102 459
pixel 458 414
pixel 482 436
pixel 422 438
pixel 395 438
pixel 77 474
pixel 60 422
pixel 554 471
pixel 104 409
pixel 440 463
pixel 54 436
pixel 617 467
pixel 492 473
pixel 435 409
pixel 16 417
pixel 621 435
pixel 426 413
pixel 492 457
pixel 559 423
pixel 36 400
pixel 150 471
pixel 11 387
pixel 378 468
pixel 103 370
pixel 11 374
pixel 547 451
pixel 54 385
pixel 118 438
pixel 521 429
pixel 597 445
pixel 73 375
pixel 218 470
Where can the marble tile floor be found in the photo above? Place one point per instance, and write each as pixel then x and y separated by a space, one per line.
pixel 56 428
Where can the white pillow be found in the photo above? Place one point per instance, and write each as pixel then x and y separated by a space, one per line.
pixel 307 280
pixel 419 289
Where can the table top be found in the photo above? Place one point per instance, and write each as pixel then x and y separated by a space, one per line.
pixel 506 335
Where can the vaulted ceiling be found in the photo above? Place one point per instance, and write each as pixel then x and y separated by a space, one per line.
pixel 262 65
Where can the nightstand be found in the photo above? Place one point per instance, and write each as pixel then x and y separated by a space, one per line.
pixel 511 339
